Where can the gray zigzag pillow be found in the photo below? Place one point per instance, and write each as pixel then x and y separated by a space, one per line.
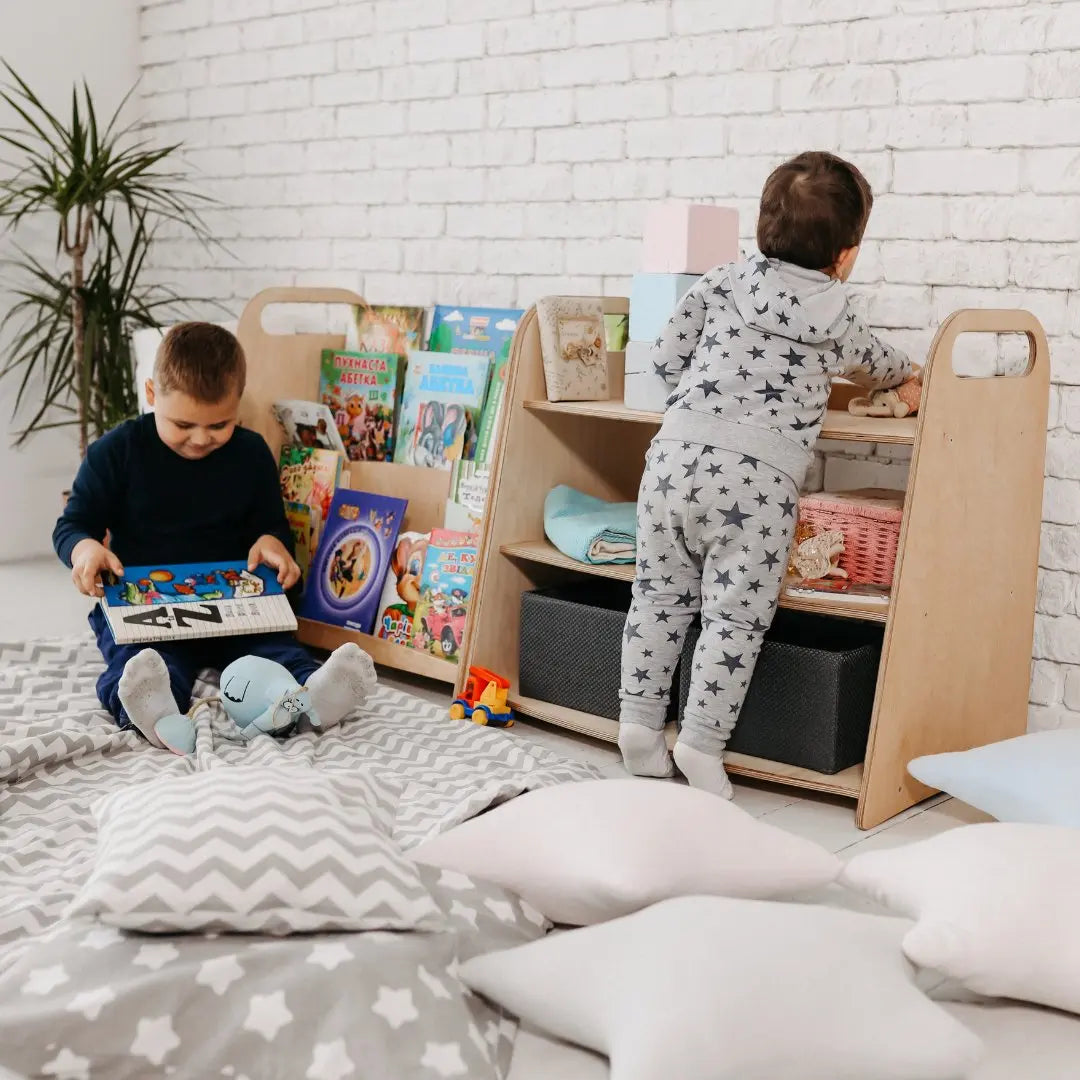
pixel 277 850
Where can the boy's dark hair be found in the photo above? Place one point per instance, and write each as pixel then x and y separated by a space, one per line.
pixel 201 360
pixel 812 208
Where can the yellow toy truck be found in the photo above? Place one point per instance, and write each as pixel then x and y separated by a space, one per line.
pixel 484 700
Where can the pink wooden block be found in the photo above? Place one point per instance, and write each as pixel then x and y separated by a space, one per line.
pixel 687 238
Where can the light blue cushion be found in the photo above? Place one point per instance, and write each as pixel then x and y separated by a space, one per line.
pixel 1034 779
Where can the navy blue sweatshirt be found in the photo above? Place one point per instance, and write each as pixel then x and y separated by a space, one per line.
pixel 162 508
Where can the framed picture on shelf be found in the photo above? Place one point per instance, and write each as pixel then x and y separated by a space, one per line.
pixel 572 340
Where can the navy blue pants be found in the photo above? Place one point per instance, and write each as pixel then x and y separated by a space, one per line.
pixel 185 659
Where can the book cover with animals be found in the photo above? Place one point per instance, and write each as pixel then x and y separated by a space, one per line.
pixel 299 517
pixel 483 330
pixel 440 406
pixel 194 600
pixel 360 390
pixel 308 423
pixel 445 587
pixel 355 549
pixel 310 475
pixel 401 590
pixel 386 328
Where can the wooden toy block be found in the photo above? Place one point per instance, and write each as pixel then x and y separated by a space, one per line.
pixel 645 390
pixel 652 300
pixel 686 238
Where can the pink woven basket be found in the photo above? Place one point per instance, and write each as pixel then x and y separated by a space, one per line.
pixel 870 521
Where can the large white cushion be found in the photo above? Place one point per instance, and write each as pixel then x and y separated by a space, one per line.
pixel 1032 778
pixel 587 852
pixel 257 849
pixel 998 907
pixel 1022 1042
pixel 708 988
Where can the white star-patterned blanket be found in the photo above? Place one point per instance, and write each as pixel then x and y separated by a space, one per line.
pixel 79 1001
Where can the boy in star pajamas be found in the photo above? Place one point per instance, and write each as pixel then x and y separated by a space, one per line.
pixel 751 351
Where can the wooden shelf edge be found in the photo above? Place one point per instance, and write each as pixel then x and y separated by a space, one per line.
pixel 839 425
pixel 384 653
pixel 847 783
pixel 540 551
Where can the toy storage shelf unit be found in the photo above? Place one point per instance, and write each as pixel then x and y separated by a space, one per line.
pixel 281 366
pixel 955 664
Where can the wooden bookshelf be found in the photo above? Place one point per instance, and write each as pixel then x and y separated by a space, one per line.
pixel 956 654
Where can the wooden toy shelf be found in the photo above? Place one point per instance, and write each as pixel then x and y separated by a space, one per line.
pixel 955 665
pixel 282 366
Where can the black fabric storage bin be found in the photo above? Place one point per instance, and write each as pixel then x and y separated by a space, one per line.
pixel 812 694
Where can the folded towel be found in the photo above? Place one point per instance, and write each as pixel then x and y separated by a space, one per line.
pixel 589 529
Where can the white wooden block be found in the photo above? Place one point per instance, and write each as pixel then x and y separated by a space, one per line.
pixel 645 389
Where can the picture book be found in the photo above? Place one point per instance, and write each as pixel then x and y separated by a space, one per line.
pixel 445 587
pixel 360 390
pixel 349 569
pixel 308 423
pixel 488 331
pixel 194 600
pixel 401 589
pixel 310 475
pixel 299 518
pixel 440 406
pixel 617 331
pixel 488 427
pixel 386 328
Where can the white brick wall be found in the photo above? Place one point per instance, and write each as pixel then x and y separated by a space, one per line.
pixel 496 150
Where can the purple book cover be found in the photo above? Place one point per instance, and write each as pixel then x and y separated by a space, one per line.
pixel 346 579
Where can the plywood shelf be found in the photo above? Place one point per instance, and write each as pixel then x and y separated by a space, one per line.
pixel 839 425
pixel 540 551
pixel 383 652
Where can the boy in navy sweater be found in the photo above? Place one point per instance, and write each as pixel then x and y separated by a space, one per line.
pixel 185 484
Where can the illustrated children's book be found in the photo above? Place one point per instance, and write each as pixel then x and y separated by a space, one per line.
pixel 473 330
pixel 300 524
pixel 310 475
pixel 489 417
pixel 308 423
pixel 350 564
pixel 440 404
pixel 360 390
pixel 386 328
pixel 445 588
pixel 194 600
pixel 402 589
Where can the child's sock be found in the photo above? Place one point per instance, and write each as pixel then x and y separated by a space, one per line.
pixel 644 750
pixel 705 771
pixel 146 694
pixel 343 683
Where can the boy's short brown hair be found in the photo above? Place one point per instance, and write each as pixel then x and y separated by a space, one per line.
pixel 813 207
pixel 201 360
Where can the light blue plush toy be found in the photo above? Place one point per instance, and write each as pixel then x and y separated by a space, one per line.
pixel 261 697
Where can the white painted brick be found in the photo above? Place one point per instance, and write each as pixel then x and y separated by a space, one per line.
pixel 288 254
pixel 530 183
pixel 333 221
pixel 537 33
pixel 583 142
pixel 446 185
pixel 1049 719
pixel 571 221
pixel 635 101
pixel 534 287
pixel 905 217
pixel 379 119
pixel 916 128
pixel 1072 689
pixel 332 155
pixel 487 221
pixel 302 60
pixel 1048 307
pixel 1045 266
pixel 372 51
pixel 698 55
pixel 1060 547
pixel 478 10
pixel 905 38
pixel 1062 458
pixel 223 11
pixel 1024 123
pixel 1061 498
pixel 409 14
pixel 1064 369
pixel 781 50
pixel 782 134
pixel 345 88
pixel 367 255
pixel 900 306
pixel 448 114
pixel 504 147
pixel 1055 594
pixel 728 94
pixel 277 94
pixel 978 78
pixel 446 255
pixel 632 180
pixel 270 158
pixel 159 108
pixel 334 24
pixel 446 43
pixel 179 75
pixel 540 108
pixel 815 11
pixel 272 33
pixel 837 88
pixel 1056 75
pixel 701 16
pixel 214 41
pixel 168 18
pixel 418 82
pixel 681 138
pixel 506 256
pixel 238 68
pixel 613 256
pixel 1018 30
pixel 1047 684
pixel 413 151
pixel 217 101
pixel 216 161
pixel 956 172
pixel 402 221
pixel 720 178
pixel 1054 170
pixel 291 7
pixel 1057 639
pixel 586 67
pixel 495 75
pixel 1020 217
pixel 638 20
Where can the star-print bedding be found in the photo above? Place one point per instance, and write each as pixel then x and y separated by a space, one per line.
pixel 79 1001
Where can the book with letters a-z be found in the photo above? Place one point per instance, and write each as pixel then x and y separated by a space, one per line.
pixel 178 602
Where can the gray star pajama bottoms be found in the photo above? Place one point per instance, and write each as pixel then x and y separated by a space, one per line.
pixel 714 532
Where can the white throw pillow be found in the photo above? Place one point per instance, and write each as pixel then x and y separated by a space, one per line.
pixel 258 849
pixel 708 988
pixel 997 907
pixel 1022 1042
pixel 587 852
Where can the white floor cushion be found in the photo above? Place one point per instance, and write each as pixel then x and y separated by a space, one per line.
pixel 1022 1042
pixel 709 988
pixel 998 907
pixel 587 852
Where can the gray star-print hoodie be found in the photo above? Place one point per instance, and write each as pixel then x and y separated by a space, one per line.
pixel 752 350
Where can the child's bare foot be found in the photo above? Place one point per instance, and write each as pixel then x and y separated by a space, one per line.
pixel 644 750
pixel 705 771
pixel 146 694
pixel 342 684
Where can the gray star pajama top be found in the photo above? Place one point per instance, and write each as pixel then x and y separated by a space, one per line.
pixel 751 350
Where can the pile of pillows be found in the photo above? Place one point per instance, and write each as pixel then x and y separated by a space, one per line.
pixel 692 961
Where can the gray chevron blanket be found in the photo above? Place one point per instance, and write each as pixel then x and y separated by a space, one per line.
pixel 80 1002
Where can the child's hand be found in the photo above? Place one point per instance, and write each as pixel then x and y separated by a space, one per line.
pixel 88 560
pixel 270 551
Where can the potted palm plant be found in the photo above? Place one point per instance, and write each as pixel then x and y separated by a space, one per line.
pixel 106 191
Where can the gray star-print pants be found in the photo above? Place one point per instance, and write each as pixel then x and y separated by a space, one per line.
pixel 714 531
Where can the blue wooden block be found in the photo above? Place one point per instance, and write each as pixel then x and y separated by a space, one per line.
pixel 652 300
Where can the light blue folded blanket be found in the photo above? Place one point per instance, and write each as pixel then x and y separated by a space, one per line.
pixel 589 529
